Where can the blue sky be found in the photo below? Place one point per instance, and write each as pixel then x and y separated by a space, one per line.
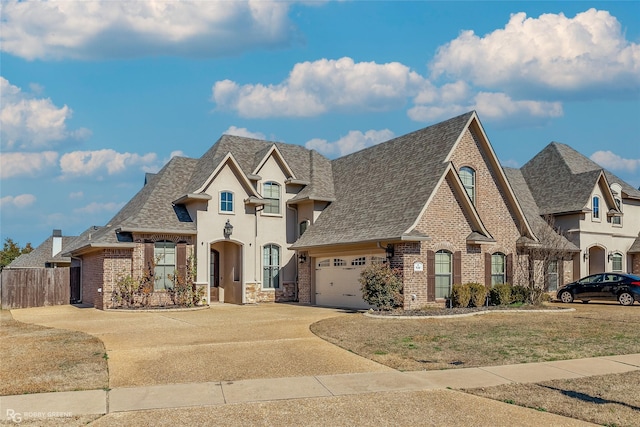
pixel 95 94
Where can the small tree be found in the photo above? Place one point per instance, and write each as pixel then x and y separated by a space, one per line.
pixel 12 250
pixel 381 286
pixel 184 291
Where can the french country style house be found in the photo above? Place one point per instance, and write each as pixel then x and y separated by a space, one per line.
pixel 268 222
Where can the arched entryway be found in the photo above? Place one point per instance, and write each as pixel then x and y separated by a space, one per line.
pixel 597 260
pixel 225 272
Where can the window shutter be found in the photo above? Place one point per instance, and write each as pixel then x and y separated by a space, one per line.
pixel 487 269
pixel 148 258
pixel 431 276
pixel 181 259
pixel 509 272
pixel 457 267
pixel 560 272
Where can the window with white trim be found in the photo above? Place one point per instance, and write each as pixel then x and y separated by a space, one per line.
pixel 271 195
pixel 498 268
pixel 595 207
pixel 468 178
pixel 552 275
pixel 359 261
pixel 616 261
pixel 271 266
pixel 226 201
pixel 338 262
pixel 378 260
pixel 324 263
pixel 444 277
pixel 164 253
pixel 616 220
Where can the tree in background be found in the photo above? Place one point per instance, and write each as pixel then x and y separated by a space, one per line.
pixel 12 250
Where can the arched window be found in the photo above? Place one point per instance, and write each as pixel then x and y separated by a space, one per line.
pixel 226 201
pixel 595 207
pixel 164 254
pixel 443 270
pixel 271 266
pixel 498 268
pixel 271 195
pixel 468 177
pixel 616 261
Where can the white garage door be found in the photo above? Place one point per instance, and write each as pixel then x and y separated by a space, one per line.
pixel 337 282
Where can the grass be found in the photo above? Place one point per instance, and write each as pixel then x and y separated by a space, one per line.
pixel 610 400
pixel 36 359
pixel 494 339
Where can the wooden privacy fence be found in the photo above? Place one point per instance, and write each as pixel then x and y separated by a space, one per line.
pixel 34 287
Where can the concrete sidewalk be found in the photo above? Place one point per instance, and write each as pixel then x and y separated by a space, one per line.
pixel 261 390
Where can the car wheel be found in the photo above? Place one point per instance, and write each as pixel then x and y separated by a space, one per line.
pixel 566 297
pixel 585 301
pixel 625 298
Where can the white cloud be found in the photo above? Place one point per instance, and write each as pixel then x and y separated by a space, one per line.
pixel 91 162
pixel 26 164
pixel 29 123
pixel 612 161
pixel 244 132
pixel 21 201
pixel 127 28
pixel 552 51
pixel 352 142
pixel 313 88
pixel 76 195
pixel 95 207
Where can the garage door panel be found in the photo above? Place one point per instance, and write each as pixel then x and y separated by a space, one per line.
pixel 339 286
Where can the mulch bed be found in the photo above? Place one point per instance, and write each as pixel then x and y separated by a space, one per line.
pixel 437 311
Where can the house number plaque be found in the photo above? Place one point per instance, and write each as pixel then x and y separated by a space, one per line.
pixel 417 266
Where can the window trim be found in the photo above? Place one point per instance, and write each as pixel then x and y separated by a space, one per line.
pixel 220 202
pixel 472 187
pixel 167 284
pixel 617 255
pixel 443 275
pixel 271 266
pixel 496 275
pixel 595 208
pixel 555 273
pixel 272 184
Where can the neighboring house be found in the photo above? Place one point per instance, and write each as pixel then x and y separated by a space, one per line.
pixel 49 254
pixel 266 221
pixel 597 211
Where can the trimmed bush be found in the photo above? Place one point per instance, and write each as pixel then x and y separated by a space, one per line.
pixel 478 294
pixel 381 286
pixel 500 294
pixel 460 295
pixel 519 294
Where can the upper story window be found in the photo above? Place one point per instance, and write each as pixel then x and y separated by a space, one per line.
pixel 468 177
pixel 302 227
pixel 271 195
pixel 443 273
pixel 271 266
pixel 226 201
pixel 165 255
pixel 498 268
pixel 616 219
pixel 595 207
pixel 616 262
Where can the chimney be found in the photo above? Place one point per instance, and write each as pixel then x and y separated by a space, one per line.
pixel 56 246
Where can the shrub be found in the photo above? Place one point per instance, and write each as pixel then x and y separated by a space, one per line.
pixel 460 295
pixel 381 286
pixel 500 294
pixel 478 294
pixel 519 294
pixel 185 292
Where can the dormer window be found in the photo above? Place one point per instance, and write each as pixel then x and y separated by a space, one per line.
pixel 617 220
pixel 468 178
pixel 226 202
pixel 271 195
pixel 595 207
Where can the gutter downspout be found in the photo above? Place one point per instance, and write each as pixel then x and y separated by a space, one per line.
pixel 295 225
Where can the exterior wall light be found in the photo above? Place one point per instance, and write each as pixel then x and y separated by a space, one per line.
pixel 228 229
pixel 302 258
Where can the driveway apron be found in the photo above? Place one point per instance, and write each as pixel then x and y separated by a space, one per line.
pixel 222 343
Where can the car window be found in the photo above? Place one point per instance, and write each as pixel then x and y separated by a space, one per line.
pixel 595 278
pixel 611 278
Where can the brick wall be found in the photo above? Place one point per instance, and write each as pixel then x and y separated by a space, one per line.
pixel 635 264
pixel 92 276
pixel 118 263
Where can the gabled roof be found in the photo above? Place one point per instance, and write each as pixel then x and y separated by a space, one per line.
pixel 381 191
pixel 548 173
pixel 43 255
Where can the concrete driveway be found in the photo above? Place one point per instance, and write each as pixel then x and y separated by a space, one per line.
pixel 223 343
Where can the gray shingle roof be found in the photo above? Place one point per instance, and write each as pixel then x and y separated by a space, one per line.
pixel 635 247
pixel 380 191
pixel 42 255
pixel 548 173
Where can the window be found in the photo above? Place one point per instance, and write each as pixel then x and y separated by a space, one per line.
pixel 165 255
pixel 443 266
pixel 498 268
pixel 359 261
pixel 616 219
pixel 337 262
pixel 271 195
pixel 468 177
pixel 616 262
pixel 226 201
pixel 271 265
pixel 552 275
pixel 302 227
pixel 324 263
pixel 378 260
pixel 595 207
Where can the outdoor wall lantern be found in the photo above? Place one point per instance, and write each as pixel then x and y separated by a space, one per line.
pixel 228 229
pixel 585 256
pixel 302 258
pixel 389 251
pixel 610 256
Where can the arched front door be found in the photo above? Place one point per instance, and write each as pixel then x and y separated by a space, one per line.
pixel 597 260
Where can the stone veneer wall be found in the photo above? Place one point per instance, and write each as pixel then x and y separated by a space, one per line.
pixel 304 280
